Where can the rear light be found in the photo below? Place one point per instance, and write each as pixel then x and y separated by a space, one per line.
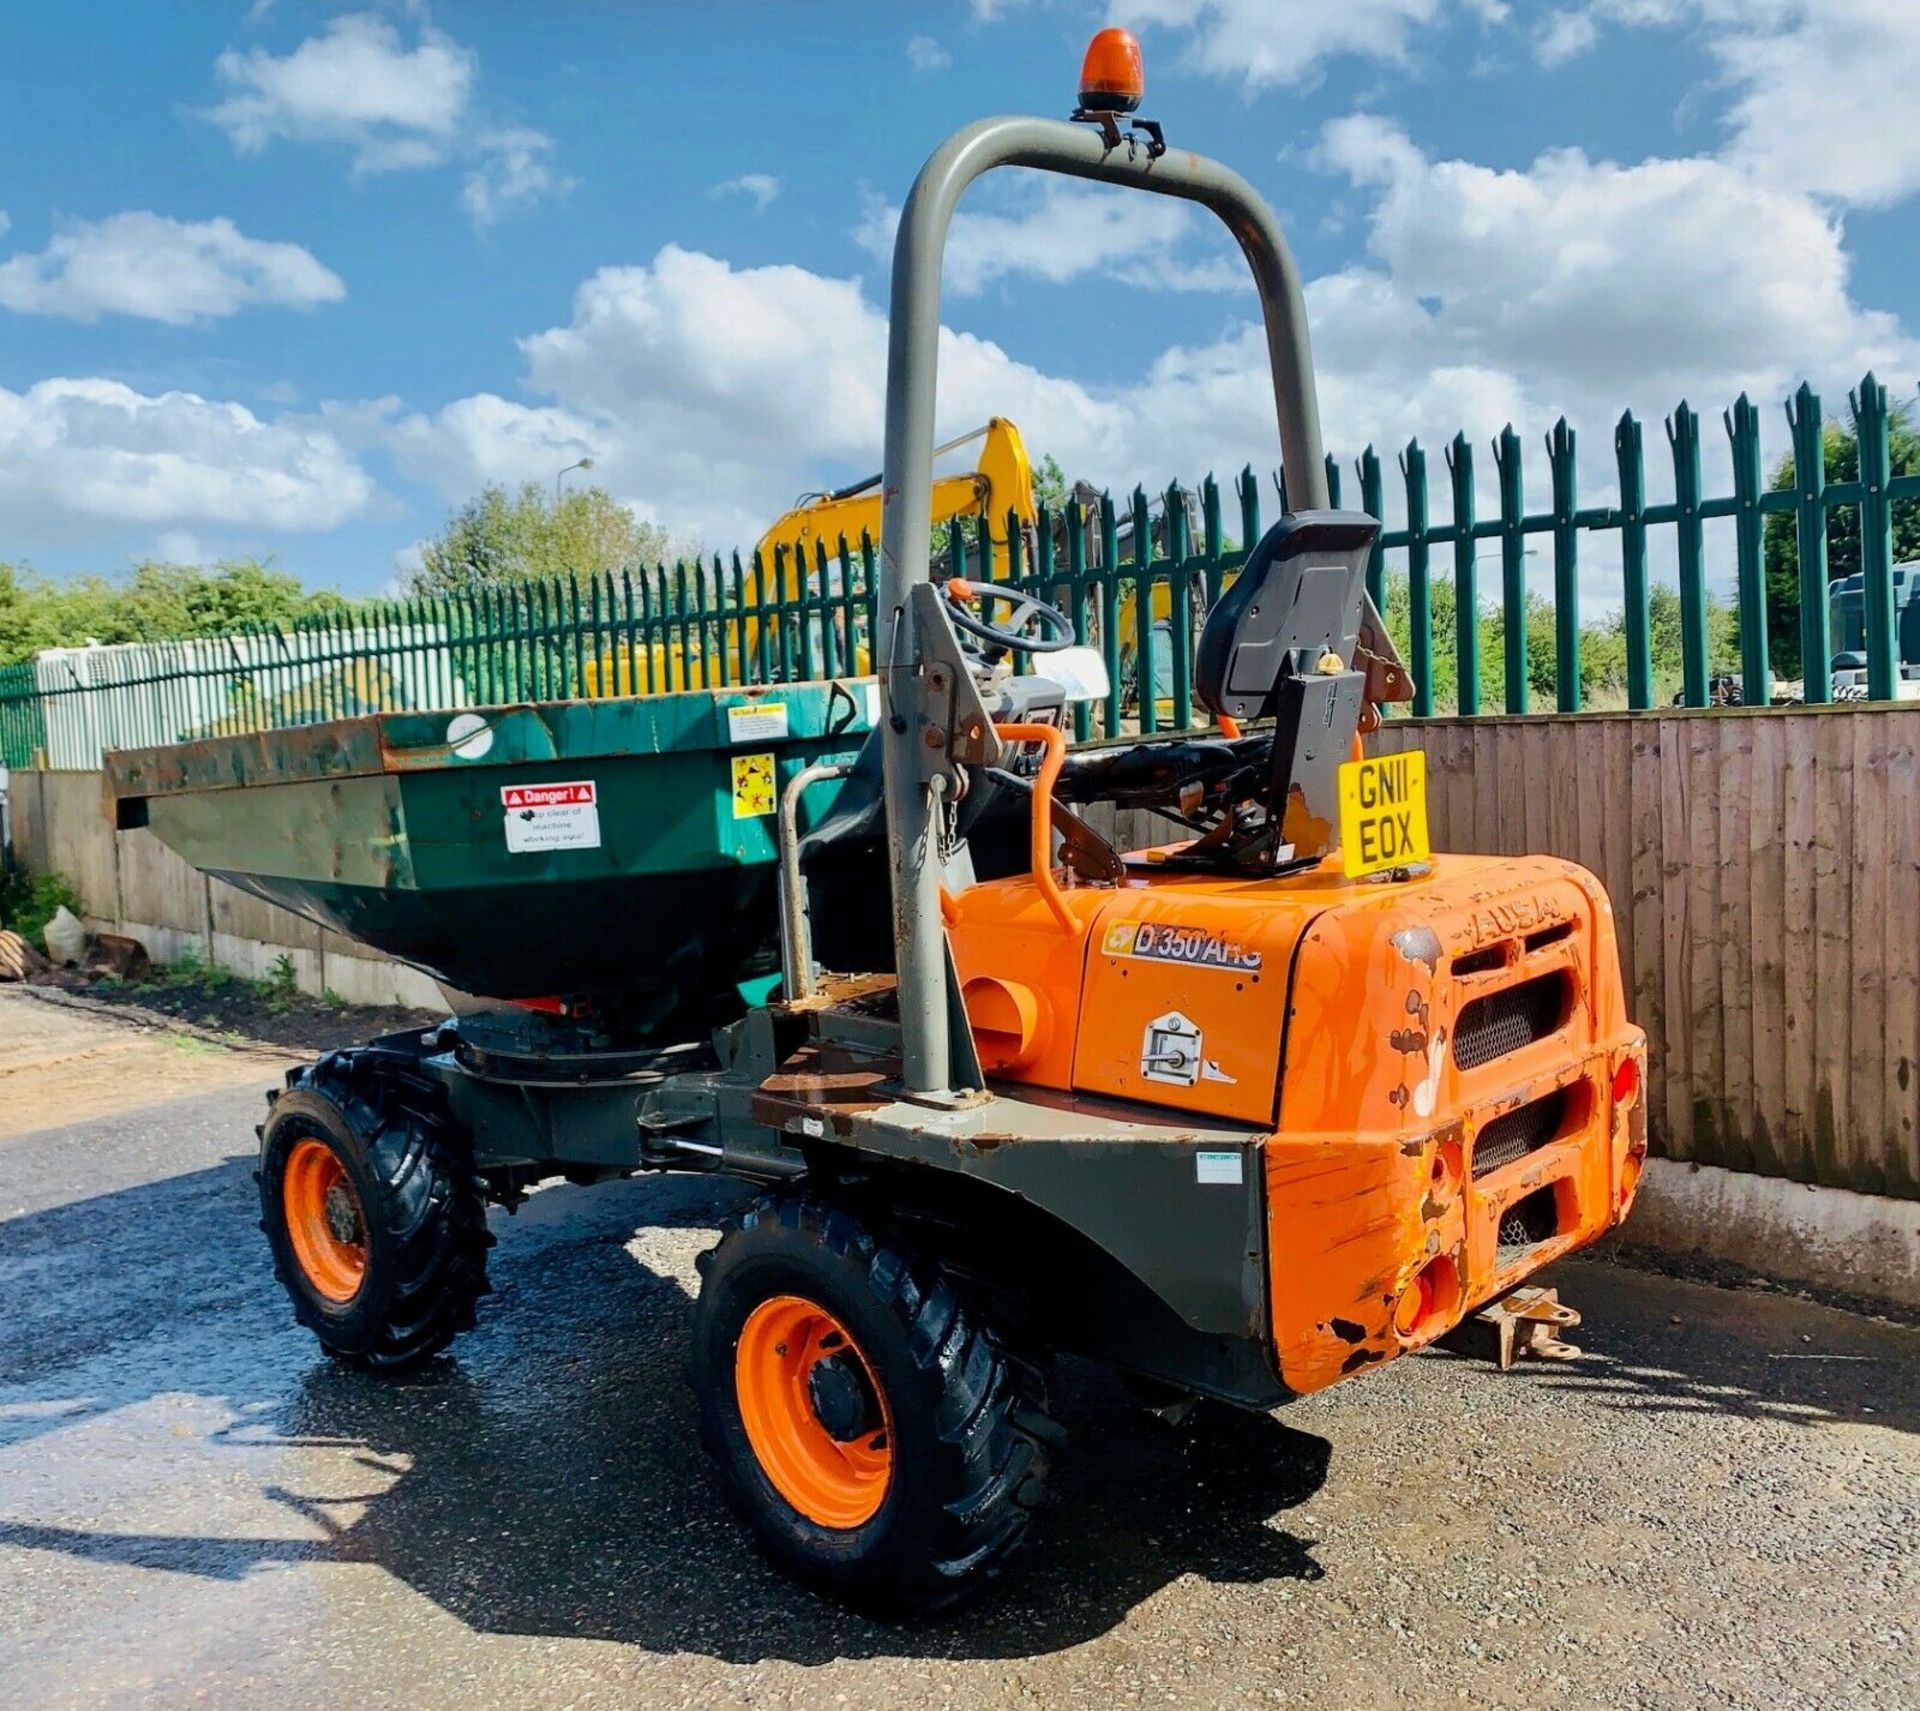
pixel 1429 1301
pixel 1626 1081
pixel 1630 1170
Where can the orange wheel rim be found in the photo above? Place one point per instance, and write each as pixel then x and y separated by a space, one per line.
pixel 794 1363
pixel 325 1222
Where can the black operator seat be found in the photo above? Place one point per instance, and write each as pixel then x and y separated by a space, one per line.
pixel 1301 596
pixel 1283 643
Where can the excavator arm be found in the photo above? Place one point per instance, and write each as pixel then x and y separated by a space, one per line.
pixel 1000 485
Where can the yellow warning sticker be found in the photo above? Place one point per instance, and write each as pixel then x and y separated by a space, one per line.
pixel 752 786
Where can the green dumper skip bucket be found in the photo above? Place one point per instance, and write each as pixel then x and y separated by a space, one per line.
pixel 620 849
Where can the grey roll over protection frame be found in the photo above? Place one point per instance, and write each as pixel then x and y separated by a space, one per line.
pixel 906 530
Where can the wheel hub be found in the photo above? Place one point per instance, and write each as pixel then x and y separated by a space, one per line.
pixel 343 1216
pixel 842 1400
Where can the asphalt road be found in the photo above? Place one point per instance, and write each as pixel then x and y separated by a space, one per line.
pixel 1719 1506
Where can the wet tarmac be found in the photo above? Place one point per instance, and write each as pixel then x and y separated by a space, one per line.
pixel 1720 1504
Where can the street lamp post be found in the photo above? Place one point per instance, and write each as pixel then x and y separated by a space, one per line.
pixel 584 463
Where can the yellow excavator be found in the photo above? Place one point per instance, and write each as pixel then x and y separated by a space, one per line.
pixel 785 563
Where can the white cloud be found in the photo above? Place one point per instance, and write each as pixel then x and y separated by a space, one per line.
pixel 1822 89
pixel 100 451
pixel 1563 36
pixel 1053 231
pixel 479 439
pixel 1264 43
pixel 514 172
pixel 1595 280
pixel 759 187
pixel 360 86
pixel 926 54
pixel 177 271
pixel 356 85
pixel 1827 103
pixel 708 395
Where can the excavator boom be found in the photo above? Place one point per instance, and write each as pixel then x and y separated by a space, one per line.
pixel 998 488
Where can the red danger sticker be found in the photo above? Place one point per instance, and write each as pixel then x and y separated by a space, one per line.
pixel 546 795
pixel 543 817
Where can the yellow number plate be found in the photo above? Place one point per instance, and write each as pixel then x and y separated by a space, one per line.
pixel 1383 813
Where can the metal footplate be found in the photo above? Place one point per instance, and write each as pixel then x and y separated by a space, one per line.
pixel 1526 1322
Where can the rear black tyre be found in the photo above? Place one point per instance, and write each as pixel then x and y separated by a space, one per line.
pixel 868 1426
pixel 370 1204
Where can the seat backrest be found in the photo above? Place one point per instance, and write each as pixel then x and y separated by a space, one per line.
pixel 1300 596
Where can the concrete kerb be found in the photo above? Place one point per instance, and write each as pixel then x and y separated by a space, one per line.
pixel 1862 1246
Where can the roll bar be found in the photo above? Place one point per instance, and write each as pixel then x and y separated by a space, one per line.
pixel 906 532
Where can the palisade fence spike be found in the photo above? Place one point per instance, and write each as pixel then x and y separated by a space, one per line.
pixel 1110 606
pixel 1466 584
pixel 1144 697
pixel 1743 433
pixel 1683 436
pixel 1872 420
pixel 1507 458
pixel 1413 473
pixel 1373 501
pixel 1563 463
pixel 1629 450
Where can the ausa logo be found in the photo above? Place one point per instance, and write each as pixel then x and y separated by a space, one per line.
pixel 1163 941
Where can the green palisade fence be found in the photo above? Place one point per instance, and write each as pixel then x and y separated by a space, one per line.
pixel 1137 575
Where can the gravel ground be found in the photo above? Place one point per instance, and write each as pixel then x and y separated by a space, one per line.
pixel 1717 1507
pixel 60 1052
pixel 221 1006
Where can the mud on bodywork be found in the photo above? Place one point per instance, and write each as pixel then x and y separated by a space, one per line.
pixel 1417 1174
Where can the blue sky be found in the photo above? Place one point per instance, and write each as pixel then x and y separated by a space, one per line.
pixel 293 279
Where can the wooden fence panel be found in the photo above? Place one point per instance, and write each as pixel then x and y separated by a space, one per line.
pixel 1764 867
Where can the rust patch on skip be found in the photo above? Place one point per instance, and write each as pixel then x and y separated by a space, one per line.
pixel 822 1084
pixel 1347 1331
pixel 1412 1041
pixel 979 1143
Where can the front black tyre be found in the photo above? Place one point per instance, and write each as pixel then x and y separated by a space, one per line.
pixel 869 1427
pixel 370 1204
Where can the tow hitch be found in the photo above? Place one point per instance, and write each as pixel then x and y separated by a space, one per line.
pixel 1527 1322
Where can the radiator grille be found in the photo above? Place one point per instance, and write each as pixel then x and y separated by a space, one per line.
pixel 1527 1224
pixel 1506 1020
pixel 1519 1132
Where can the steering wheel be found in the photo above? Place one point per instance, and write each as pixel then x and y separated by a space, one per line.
pixel 1056 627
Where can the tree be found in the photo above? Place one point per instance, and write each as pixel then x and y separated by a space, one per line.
pixel 175 601
pixel 159 602
pixel 1841 449
pixel 1603 646
pixel 501 537
pixel 1050 483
